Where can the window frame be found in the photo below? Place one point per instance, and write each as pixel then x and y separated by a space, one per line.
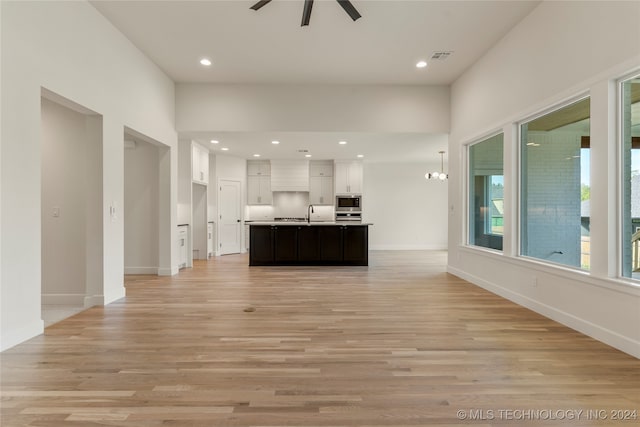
pixel 488 192
pixel 620 186
pixel 519 226
pixel 467 217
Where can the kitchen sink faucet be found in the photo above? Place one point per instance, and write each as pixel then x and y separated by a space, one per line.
pixel 309 212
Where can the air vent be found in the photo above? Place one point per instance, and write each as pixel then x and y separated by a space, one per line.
pixel 441 55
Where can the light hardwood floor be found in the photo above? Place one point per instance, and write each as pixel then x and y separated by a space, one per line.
pixel 398 343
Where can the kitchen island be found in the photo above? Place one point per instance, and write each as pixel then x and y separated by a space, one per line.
pixel 314 243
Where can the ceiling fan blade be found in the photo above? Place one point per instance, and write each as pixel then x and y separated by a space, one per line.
pixel 350 9
pixel 306 12
pixel 259 4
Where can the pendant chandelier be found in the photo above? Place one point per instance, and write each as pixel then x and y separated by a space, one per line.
pixel 438 175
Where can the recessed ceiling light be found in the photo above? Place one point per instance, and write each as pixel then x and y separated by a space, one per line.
pixel 213 141
pixel 256 155
pixel 275 142
pixel 307 155
pixel 224 149
pixel 360 155
pixel 342 142
pixel 421 64
pixel 205 61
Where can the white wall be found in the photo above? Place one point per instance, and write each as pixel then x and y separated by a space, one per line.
pixel 184 182
pixel 233 168
pixel 1 176
pixel 141 207
pixel 560 50
pixel 318 108
pixel 72 50
pixel 407 210
pixel 212 194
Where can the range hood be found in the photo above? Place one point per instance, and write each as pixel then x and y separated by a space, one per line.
pixel 290 175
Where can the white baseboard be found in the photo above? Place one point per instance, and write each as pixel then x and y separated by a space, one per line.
pixel 78 300
pixel 93 300
pixel 63 299
pixel 141 270
pixel 402 247
pixel 160 271
pixel 586 327
pixel 168 271
pixel 16 335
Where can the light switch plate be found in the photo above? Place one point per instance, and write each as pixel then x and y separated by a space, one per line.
pixel 113 212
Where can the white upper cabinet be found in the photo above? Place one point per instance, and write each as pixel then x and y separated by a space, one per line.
pixel 199 164
pixel 258 168
pixel 321 190
pixel 321 168
pixel 348 177
pixel 259 182
pixel 321 182
pixel 259 190
pixel 289 175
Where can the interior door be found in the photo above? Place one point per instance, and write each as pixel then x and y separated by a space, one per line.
pixel 229 224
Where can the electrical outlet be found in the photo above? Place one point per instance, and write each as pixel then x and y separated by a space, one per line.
pixel 534 281
pixel 56 212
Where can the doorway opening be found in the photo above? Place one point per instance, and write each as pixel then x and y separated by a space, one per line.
pixel 71 208
pixel 147 208
pixel 141 249
pixel 200 233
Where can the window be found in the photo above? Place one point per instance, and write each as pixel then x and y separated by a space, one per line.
pixel 555 186
pixel 630 132
pixel 486 193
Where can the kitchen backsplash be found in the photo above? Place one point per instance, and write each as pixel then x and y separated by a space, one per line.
pixel 288 204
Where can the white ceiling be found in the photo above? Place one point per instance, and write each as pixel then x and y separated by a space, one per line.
pixel 376 147
pixel 270 46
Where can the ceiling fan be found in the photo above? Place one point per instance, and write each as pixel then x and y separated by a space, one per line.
pixel 308 4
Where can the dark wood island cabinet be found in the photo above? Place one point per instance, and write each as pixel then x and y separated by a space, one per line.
pixel 309 244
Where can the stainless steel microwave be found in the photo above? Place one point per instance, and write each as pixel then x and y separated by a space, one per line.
pixel 351 203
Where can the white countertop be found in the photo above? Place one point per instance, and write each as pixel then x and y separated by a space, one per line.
pixel 305 223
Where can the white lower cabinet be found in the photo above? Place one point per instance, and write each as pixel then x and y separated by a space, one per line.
pixel 183 245
pixel 210 238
